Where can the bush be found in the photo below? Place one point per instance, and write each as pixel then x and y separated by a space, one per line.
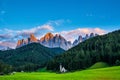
pixel 5 69
pixel 117 62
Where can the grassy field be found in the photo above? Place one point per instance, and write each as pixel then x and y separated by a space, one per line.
pixel 110 73
pixel 99 65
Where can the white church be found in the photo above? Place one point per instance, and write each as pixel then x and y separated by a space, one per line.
pixel 62 69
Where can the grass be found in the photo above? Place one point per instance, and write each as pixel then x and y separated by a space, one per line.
pixel 109 73
pixel 42 70
pixel 99 65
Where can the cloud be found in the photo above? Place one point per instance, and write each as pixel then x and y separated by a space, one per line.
pixel 71 35
pixel 4 44
pixel 35 30
pixel 58 22
pixel 40 30
pixel 5 36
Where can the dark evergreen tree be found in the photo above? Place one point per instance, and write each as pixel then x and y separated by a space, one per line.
pixel 104 48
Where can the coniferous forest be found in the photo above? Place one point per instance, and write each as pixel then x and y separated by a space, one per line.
pixel 105 48
pixel 27 58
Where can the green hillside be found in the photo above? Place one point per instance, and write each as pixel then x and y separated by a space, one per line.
pixel 105 48
pixel 110 73
pixel 29 57
pixel 99 65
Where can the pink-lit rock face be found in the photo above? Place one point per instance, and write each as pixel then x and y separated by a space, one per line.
pixel 33 38
pixel 27 41
pixel 49 40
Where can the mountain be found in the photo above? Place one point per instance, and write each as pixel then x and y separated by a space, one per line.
pixel 23 42
pixel 49 40
pixel 105 48
pixel 33 38
pixel 81 39
pixel 47 37
pixel 29 56
pixel 77 41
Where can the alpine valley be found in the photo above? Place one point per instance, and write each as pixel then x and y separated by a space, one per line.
pixel 32 53
pixel 52 50
pixel 59 39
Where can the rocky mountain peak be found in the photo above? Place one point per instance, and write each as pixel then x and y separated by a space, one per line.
pixel 86 36
pixel 80 38
pixel 32 38
pixel 21 42
pixel 92 35
pixel 18 43
pixel 56 35
pixel 59 36
pixel 47 37
pixel 49 40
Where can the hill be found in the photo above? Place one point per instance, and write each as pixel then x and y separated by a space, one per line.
pixel 105 48
pixel 29 57
pixel 110 73
pixel 99 65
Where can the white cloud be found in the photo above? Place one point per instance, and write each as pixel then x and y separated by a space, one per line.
pixel 71 35
pixel 46 27
pixel 55 22
pixel 35 30
pixel 58 22
pixel 5 36
pixel 7 44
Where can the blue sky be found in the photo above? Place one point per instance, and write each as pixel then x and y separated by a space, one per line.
pixel 58 16
pixel 81 13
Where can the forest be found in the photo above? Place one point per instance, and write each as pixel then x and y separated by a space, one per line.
pixel 102 48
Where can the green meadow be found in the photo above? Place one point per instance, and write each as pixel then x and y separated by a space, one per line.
pixel 99 65
pixel 109 73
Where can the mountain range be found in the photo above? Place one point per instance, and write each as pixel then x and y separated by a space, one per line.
pixel 81 39
pixel 31 54
pixel 54 41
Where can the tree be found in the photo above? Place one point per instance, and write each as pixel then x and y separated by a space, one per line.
pixel 117 62
pixel 4 68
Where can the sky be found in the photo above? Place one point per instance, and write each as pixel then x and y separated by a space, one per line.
pixel 70 18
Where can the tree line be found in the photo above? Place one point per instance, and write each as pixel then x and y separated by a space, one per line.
pixel 27 58
pixel 105 48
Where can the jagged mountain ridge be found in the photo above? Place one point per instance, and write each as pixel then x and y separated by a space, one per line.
pixel 53 41
pixel 81 39
pixel 49 40
pixel 23 42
